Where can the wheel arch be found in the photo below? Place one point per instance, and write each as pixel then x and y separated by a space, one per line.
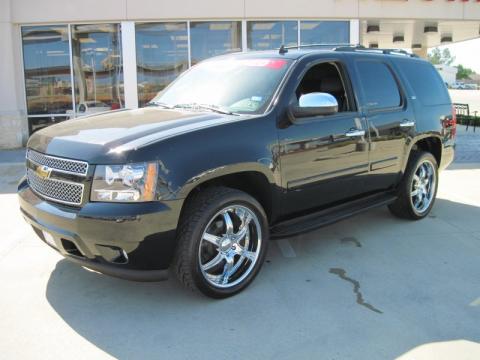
pixel 427 142
pixel 252 179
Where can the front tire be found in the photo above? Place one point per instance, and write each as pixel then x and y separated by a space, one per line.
pixel 221 242
pixel 418 189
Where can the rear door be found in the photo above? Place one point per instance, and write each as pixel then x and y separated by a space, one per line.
pixel 390 119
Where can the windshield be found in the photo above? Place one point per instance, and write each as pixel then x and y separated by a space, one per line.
pixel 230 85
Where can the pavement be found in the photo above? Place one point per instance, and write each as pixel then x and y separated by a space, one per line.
pixel 370 287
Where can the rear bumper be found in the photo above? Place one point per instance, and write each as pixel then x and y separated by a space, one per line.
pixel 448 154
pixel 130 241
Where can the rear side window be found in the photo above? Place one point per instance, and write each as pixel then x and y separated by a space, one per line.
pixel 425 81
pixel 379 87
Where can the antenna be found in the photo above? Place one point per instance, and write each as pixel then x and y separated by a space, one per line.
pixel 282 50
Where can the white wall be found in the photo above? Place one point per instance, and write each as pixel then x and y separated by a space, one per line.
pixel 13 125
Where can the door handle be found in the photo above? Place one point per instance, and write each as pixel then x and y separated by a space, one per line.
pixel 407 123
pixel 355 132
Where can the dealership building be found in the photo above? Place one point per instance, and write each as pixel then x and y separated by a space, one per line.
pixel 63 59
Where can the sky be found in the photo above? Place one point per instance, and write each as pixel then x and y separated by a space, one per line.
pixel 466 53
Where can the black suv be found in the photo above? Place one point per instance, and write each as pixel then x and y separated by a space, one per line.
pixel 238 150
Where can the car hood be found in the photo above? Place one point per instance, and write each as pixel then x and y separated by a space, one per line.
pixel 105 137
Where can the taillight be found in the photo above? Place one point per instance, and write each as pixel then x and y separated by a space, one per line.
pixel 451 123
pixel 454 122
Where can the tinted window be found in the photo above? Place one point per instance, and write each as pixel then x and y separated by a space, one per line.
pixel 324 32
pixel 97 67
pixel 47 69
pixel 162 55
pixel 425 81
pixel 264 35
pixel 214 38
pixel 380 89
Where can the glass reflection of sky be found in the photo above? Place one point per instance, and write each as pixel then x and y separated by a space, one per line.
pixel 214 38
pixel 265 35
pixel 45 46
pixel 325 32
pixel 162 55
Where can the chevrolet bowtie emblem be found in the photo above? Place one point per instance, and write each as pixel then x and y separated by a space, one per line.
pixel 43 172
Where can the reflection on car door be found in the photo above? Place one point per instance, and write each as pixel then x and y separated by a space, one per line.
pixel 321 161
pixel 390 121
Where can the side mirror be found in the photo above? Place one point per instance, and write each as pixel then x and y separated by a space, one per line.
pixel 315 104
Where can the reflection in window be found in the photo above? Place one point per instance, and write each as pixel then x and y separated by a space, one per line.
pixel 36 123
pixel 47 69
pixel 324 32
pixel 264 35
pixel 162 55
pixel 97 67
pixel 214 38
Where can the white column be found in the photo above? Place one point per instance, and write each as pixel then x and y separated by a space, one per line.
pixel 244 36
pixel 129 64
pixel 355 31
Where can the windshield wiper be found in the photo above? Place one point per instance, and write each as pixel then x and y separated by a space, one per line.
pixel 213 108
pixel 158 103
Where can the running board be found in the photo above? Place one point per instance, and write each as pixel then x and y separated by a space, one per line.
pixel 329 216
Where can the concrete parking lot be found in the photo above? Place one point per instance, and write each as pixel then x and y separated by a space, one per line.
pixel 370 287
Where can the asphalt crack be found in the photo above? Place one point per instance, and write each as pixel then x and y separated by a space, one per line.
pixel 342 274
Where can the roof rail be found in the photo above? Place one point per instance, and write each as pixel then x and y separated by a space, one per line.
pixel 284 49
pixel 375 50
pixel 347 47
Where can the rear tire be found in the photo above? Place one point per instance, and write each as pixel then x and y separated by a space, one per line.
pixel 418 188
pixel 221 242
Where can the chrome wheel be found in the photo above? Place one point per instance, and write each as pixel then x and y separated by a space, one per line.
pixel 230 246
pixel 423 186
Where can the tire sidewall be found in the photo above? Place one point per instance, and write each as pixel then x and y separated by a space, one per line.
pixel 420 158
pixel 234 198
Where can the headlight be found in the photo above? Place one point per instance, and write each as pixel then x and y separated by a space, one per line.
pixel 125 183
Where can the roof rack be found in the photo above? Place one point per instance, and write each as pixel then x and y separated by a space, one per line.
pixel 375 50
pixel 283 49
pixel 347 47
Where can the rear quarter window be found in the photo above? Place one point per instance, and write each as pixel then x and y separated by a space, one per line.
pixel 425 81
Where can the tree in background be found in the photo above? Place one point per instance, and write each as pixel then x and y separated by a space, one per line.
pixel 441 57
pixel 445 57
pixel 464 72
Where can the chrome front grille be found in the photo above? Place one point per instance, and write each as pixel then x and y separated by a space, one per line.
pixel 67 166
pixel 56 190
pixel 46 176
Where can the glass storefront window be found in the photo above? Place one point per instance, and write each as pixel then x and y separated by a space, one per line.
pixel 162 55
pixel 324 32
pixel 213 38
pixel 46 59
pixel 265 35
pixel 97 68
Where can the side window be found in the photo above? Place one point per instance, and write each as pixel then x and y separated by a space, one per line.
pixel 379 87
pixel 325 77
pixel 427 84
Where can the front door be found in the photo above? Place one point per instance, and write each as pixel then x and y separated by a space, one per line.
pixel 323 158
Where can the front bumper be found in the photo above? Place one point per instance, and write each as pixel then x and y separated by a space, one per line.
pixel 130 241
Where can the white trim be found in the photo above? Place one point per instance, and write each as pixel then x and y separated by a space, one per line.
pixel 244 36
pixel 129 56
pixel 189 45
pixel 72 75
pixel 49 115
pixel 298 34
pixel 355 31
pixel 24 82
